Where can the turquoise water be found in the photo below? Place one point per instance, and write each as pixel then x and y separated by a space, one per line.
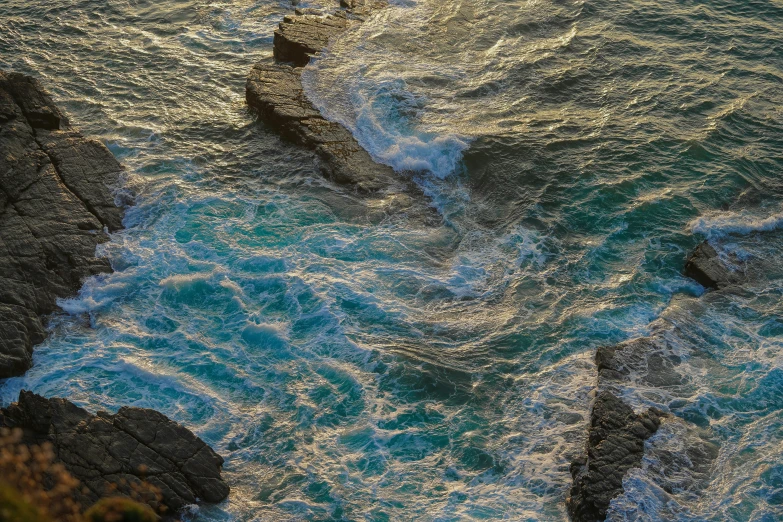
pixel 354 370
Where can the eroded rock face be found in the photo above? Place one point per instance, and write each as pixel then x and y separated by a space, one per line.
pixel 56 201
pixel 123 449
pixel 276 92
pixel 299 37
pixel 705 266
pixel 615 445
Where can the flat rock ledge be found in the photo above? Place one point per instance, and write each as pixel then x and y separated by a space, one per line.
pixel 301 36
pixel 112 454
pixel 275 91
pixel 615 445
pixel 56 204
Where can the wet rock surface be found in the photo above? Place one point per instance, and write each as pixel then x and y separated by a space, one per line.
pixel 705 266
pixel 651 366
pixel 119 451
pixel 615 445
pixel 275 91
pixel 648 361
pixel 56 202
pixel 301 36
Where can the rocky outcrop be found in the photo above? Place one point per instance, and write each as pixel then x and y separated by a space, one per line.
pixel 705 266
pixel 275 91
pixel 56 205
pixel 646 360
pixel 299 37
pixel 615 445
pixel 616 435
pixel 115 453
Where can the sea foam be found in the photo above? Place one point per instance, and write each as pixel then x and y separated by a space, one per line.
pixel 739 223
pixel 383 117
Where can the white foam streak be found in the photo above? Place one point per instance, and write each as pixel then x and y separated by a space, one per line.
pixel 740 223
pixel 418 152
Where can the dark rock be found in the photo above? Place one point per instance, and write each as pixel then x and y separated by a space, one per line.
pixel 35 104
pixel 55 201
pixel 615 445
pixel 275 91
pixel 299 37
pixel 106 451
pixel 705 266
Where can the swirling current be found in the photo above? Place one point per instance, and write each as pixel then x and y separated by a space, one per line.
pixel 350 369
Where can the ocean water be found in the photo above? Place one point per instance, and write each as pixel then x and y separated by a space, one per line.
pixel 350 369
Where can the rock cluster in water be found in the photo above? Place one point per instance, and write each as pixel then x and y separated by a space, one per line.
pixel 275 91
pixel 617 434
pixel 56 204
pixel 112 454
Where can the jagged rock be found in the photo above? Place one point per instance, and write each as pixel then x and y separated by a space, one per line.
pixel 299 37
pixel 55 202
pixel 705 266
pixel 119 451
pixel 615 445
pixel 275 91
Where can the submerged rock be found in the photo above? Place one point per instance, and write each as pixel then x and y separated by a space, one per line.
pixel 119 451
pixel 615 445
pixel 644 360
pixel 56 203
pixel 705 266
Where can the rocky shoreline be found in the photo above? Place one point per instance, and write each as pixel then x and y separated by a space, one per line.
pixel 58 202
pixel 616 434
pixel 56 206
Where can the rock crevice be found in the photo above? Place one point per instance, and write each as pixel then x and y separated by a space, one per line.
pixel 115 453
pixel 56 200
